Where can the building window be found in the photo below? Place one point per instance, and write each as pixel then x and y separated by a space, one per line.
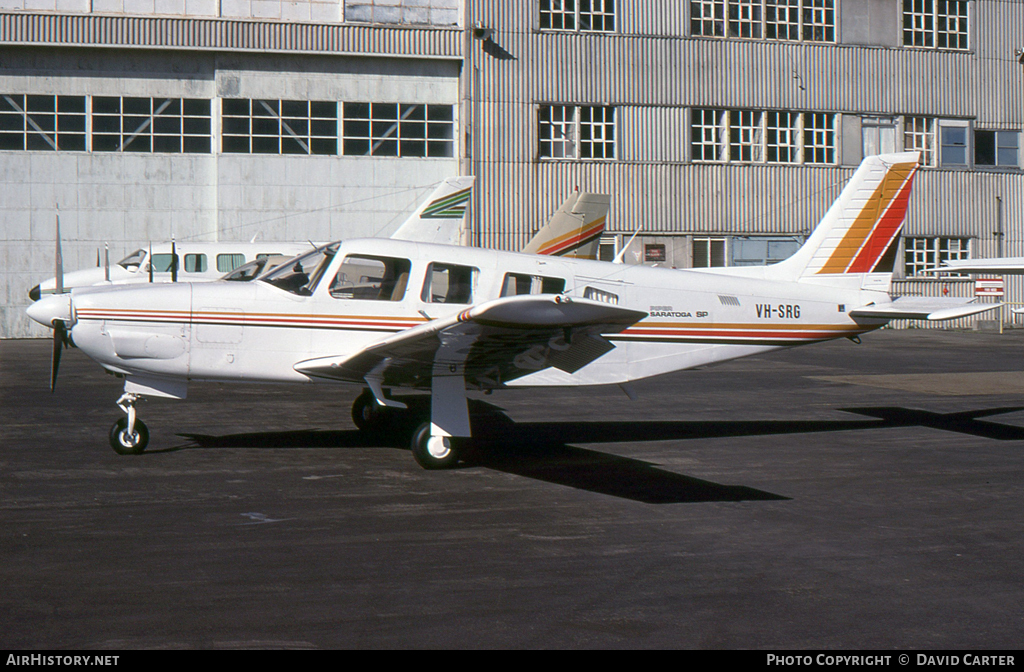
pixel 578 15
pixel 279 127
pixel 174 125
pixel 878 135
pixel 996 149
pixel 576 132
pixel 938 24
pixel 781 136
pixel 398 129
pixel 819 137
pixel 708 252
pixel 707 135
pixel 761 251
pixel 46 123
pixel 809 20
pixel 757 136
pixel 707 18
pixel 953 143
pixel 919 136
pixel 921 254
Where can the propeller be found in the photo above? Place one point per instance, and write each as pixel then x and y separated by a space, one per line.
pixel 60 341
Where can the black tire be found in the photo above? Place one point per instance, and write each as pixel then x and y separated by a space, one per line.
pixel 367 414
pixel 421 450
pixel 122 443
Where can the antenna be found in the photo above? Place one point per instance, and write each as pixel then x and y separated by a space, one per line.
pixel 622 252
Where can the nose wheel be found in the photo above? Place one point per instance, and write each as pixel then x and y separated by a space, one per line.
pixel 129 435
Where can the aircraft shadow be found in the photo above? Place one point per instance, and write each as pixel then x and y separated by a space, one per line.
pixel 543 451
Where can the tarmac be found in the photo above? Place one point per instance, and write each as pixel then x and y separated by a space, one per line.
pixel 830 497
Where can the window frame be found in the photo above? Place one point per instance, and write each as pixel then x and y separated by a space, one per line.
pixel 812 21
pixel 753 136
pixel 930 251
pixel 578 16
pixel 934 24
pixel 575 133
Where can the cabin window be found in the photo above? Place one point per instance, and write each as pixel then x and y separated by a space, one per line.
pixel 195 263
pixel 162 263
pixel 595 294
pixel 523 283
pixel 449 283
pixel 229 262
pixel 367 278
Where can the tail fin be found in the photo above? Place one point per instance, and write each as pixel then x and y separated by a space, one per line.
pixel 439 218
pixel 857 239
pixel 575 229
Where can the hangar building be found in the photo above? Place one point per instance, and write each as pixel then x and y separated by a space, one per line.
pixel 722 128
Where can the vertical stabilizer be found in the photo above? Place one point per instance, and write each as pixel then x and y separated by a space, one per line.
pixel 440 218
pixel 575 229
pixel 856 240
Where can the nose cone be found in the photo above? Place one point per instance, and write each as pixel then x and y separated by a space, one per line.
pixel 53 307
pixel 34 293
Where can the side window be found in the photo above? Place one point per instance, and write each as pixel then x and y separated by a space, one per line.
pixel 229 262
pixel 162 263
pixel 367 278
pixel 448 283
pixel 521 283
pixel 195 263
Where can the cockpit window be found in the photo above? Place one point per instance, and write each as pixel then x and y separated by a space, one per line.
pixel 368 278
pixel 132 261
pixel 302 274
pixel 250 271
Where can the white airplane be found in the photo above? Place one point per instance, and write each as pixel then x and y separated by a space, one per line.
pixel 450 319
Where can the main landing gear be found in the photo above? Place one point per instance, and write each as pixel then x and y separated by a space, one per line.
pixel 129 436
pixel 437 443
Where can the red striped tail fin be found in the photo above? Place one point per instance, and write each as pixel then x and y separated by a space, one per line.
pixel 859 235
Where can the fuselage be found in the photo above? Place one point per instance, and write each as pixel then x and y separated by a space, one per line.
pixel 370 288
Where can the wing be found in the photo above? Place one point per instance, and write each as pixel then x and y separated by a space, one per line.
pixel 489 344
pixel 923 308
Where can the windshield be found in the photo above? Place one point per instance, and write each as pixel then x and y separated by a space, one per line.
pixel 301 275
pixel 132 261
pixel 253 269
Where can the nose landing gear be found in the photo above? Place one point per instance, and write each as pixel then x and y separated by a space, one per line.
pixel 129 436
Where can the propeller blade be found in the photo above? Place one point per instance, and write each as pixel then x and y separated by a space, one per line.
pixel 60 336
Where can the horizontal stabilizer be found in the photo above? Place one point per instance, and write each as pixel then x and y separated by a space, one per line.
pixel 923 308
pixel 997 265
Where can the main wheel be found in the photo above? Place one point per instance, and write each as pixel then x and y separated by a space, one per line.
pixel 124 443
pixel 368 415
pixel 434 452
